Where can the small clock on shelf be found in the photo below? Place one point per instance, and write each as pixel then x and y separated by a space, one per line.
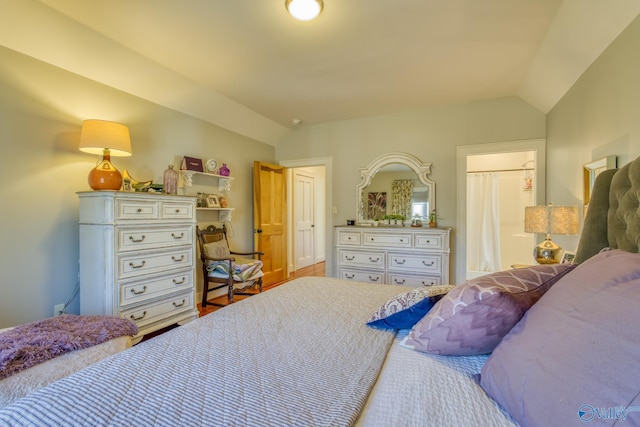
pixel 211 166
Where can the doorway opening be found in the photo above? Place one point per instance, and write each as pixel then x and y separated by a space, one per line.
pixel 308 213
pixel 495 183
pixel 499 187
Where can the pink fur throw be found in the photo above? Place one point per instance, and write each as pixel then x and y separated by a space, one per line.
pixel 27 345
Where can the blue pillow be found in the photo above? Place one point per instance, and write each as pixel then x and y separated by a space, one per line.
pixel 404 310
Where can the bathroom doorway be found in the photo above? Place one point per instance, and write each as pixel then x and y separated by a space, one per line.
pixel 495 183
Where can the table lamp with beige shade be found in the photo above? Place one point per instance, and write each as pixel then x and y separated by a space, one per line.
pixel 550 219
pixel 108 139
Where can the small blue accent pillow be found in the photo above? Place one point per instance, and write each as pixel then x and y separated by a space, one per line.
pixel 404 310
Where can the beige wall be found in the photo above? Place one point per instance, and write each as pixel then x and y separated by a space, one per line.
pixel 41 111
pixel 431 135
pixel 599 116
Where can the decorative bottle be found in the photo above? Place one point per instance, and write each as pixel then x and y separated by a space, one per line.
pixel 224 170
pixel 170 181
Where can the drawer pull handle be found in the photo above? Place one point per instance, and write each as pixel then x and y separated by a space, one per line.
pixel 428 241
pixel 144 289
pixel 139 210
pixel 177 210
pixel 134 318
pixel 400 262
pixel 374 279
pixel 374 260
pixel 349 259
pixel 176 305
pixel 178 259
pixel 349 238
pixel 401 240
pixel 371 239
pixel 399 282
pixel 134 240
pixel 348 276
pixel 176 236
pixel 428 284
pixel 175 282
pixel 132 265
pixel 429 264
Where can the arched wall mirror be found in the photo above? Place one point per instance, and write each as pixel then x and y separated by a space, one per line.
pixel 389 181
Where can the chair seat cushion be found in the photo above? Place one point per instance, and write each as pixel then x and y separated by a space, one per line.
pixel 244 269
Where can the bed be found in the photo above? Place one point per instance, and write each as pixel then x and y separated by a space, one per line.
pixel 302 354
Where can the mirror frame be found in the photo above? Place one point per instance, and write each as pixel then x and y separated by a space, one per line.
pixel 423 170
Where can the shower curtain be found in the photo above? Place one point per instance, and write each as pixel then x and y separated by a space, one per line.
pixel 483 222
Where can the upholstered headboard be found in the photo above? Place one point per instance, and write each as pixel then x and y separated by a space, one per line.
pixel 613 217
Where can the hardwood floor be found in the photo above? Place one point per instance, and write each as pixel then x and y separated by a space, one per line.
pixel 313 270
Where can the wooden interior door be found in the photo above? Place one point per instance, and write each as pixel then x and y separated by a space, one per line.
pixel 269 217
pixel 303 214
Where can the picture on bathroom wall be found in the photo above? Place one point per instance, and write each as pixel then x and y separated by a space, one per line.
pixel 376 205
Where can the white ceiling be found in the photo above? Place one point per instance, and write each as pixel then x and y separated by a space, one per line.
pixel 246 65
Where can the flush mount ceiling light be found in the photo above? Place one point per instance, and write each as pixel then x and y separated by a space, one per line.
pixel 304 10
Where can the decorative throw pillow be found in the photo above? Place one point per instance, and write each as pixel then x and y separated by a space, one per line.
pixel 575 356
pixel 218 249
pixel 475 316
pixel 404 310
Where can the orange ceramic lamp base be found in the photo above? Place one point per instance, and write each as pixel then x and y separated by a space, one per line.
pixel 105 176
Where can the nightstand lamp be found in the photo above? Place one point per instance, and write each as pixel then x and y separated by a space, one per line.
pixel 550 219
pixel 106 138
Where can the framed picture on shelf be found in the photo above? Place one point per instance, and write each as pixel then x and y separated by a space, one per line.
pixel 191 164
pixel 567 257
pixel 213 201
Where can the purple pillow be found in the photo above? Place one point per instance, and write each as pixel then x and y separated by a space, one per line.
pixel 575 356
pixel 475 316
pixel 404 310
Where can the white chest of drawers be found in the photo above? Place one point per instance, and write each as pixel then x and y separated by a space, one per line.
pixel 396 255
pixel 137 257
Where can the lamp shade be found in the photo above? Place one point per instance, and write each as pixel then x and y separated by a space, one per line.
pixel 304 10
pixel 96 135
pixel 551 219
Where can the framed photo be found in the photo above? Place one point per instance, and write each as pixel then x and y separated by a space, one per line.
pixel 192 164
pixel 213 201
pixel 567 257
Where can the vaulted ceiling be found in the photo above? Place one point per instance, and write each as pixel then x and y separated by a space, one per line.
pixel 246 65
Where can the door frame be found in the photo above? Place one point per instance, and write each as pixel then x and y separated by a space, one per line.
pixel 462 151
pixel 327 162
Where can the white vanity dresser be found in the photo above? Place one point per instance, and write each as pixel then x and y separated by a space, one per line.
pixel 393 183
pixel 396 255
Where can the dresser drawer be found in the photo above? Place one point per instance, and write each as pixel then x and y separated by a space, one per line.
pixel 132 265
pixel 176 210
pixel 349 238
pixel 368 259
pixel 143 290
pixel 360 276
pixel 137 209
pixel 131 239
pixel 424 263
pixel 407 280
pixel 395 240
pixel 159 310
pixel 429 242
